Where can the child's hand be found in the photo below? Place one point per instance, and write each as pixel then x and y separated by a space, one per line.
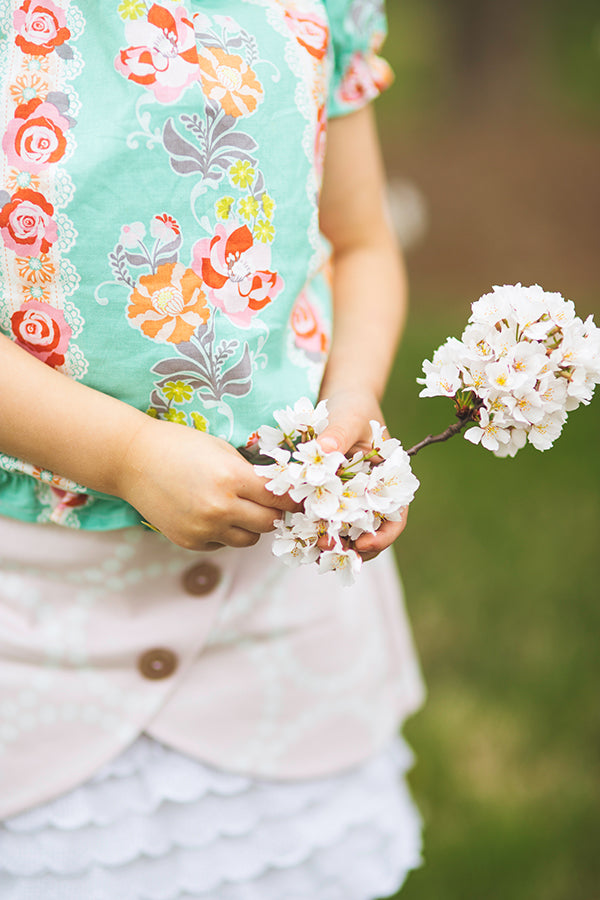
pixel 196 489
pixel 350 412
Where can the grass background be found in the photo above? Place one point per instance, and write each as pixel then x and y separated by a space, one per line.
pixel 501 558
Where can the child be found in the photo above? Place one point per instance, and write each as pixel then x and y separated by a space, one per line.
pixel 180 715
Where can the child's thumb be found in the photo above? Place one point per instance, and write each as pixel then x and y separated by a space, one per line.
pixel 340 434
pixel 334 437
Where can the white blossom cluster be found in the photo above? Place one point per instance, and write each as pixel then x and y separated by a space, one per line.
pixel 342 497
pixel 528 359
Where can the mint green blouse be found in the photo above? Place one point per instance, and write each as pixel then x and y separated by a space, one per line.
pixel 161 168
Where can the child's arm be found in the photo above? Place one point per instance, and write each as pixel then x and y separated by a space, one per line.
pixel 369 291
pixel 193 487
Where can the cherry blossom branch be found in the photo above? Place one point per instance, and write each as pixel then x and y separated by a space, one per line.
pixel 456 428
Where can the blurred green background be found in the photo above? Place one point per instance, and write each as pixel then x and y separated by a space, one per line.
pixel 491 137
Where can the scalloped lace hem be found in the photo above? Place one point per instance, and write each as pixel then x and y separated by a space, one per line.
pixel 156 825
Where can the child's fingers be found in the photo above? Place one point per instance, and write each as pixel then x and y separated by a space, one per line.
pixel 239 537
pixel 255 490
pixel 253 517
pixel 370 545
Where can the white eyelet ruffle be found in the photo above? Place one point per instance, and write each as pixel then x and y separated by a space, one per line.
pixel 157 825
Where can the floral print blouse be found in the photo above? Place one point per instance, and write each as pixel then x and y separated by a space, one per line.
pixel 161 168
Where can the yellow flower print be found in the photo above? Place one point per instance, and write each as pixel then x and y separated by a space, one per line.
pixel 264 231
pixel 131 9
pixel 268 205
pixel 223 207
pixel 175 415
pixel 248 207
pixel 242 174
pixel 200 423
pixel 153 413
pixel 36 269
pixel 178 391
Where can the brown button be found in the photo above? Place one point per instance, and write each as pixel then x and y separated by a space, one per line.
pixel 157 663
pixel 201 579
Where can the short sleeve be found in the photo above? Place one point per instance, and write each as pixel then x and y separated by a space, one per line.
pixel 357 31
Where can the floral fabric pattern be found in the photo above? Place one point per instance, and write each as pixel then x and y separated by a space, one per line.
pixel 36 136
pixel 360 74
pixel 162 53
pixel 26 223
pixel 235 269
pixel 42 330
pixel 228 80
pixel 41 27
pixel 159 238
pixel 310 333
pixel 169 305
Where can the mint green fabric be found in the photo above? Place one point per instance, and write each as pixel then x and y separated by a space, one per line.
pixel 161 167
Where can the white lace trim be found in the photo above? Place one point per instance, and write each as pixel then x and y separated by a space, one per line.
pixel 156 825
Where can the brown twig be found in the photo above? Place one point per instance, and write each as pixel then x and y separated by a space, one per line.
pixel 456 428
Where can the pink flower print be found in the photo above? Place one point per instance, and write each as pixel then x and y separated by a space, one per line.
pixel 310 31
pixel 68 499
pixel 132 235
pixel 165 228
pixel 26 223
pixel 162 55
pixel 41 329
pixel 63 502
pixel 236 272
pixel 35 137
pixel 364 79
pixel 320 141
pixel 40 27
pixel 309 332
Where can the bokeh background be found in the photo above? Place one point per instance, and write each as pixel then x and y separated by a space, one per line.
pixel 491 137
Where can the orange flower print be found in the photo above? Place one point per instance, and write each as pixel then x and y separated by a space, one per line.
pixel 28 87
pixel 229 81
pixel 35 269
pixel 35 291
pixel 16 180
pixel 169 305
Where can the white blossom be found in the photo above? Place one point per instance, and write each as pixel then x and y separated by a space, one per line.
pixel 526 359
pixel 342 497
pixel 544 433
pixel 346 562
pixel 317 466
pixel 302 417
pixel 321 501
pixel 283 474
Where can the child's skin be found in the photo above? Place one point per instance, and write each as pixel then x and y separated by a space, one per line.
pixel 195 488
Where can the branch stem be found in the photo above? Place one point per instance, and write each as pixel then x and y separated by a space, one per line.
pixel 456 428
